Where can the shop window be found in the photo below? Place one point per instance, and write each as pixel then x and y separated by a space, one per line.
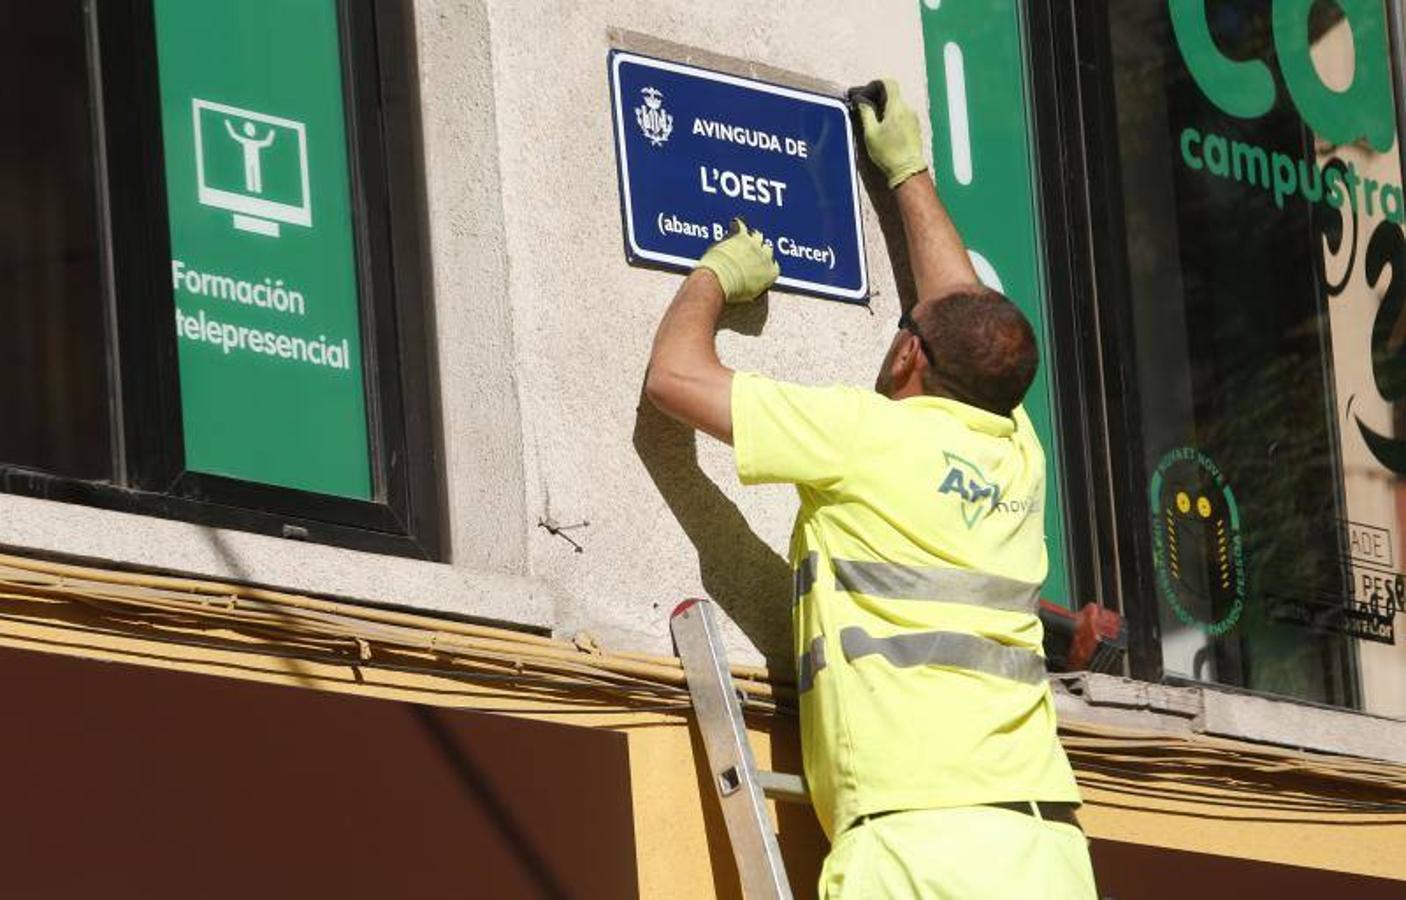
pixel 53 354
pixel 1251 277
pixel 203 317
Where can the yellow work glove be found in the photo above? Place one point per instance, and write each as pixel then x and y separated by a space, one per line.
pixel 891 134
pixel 743 264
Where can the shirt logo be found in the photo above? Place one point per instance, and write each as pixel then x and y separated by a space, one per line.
pixel 979 496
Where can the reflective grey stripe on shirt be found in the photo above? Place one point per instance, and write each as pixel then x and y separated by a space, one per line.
pixel 946 648
pixel 805 574
pixel 812 661
pixel 898 582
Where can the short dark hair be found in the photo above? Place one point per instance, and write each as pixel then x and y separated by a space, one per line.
pixel 983 349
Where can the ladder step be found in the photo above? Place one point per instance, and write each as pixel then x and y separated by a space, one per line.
pixel 783 786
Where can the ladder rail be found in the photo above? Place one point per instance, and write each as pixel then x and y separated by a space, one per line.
pixel 741 788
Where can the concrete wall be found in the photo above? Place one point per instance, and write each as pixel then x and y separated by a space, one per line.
pixel 543 332
pixel 667 516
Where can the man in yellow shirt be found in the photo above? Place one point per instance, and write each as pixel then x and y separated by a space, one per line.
pixel 927 724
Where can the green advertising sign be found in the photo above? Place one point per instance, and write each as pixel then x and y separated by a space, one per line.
pixel 985 172
pixel 263 264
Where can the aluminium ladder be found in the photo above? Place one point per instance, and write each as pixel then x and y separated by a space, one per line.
pixel 741 786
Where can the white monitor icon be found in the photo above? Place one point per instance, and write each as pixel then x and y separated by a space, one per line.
pixel 235 149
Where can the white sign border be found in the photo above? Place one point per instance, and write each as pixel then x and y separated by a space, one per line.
pixel 622 56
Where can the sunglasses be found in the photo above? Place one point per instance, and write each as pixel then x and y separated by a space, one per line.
pixel 906 323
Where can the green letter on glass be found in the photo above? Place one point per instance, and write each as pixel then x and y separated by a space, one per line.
pixel 1243 89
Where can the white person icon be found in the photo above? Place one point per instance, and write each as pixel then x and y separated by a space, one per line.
pixel 266 181
pixel 253 148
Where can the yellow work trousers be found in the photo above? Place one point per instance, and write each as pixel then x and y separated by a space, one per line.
pixel 965 853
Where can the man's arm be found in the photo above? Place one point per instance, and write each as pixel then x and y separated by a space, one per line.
pixel 686 381
pixel 894 143
pixel 935 248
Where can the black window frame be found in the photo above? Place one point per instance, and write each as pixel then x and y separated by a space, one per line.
pixel 1097 397
pixel 405 515
pixel 1103 545
pixel 1106 307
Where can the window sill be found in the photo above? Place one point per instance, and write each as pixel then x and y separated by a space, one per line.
pixel 1096 699
pixel 115 538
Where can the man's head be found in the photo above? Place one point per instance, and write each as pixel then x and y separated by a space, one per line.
pixel 972 345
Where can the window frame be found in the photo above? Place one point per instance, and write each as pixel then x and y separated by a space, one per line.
pixel 1076 135
pixel 404 516
pixel 1105 563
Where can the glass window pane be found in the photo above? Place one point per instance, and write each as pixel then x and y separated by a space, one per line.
pixel 53 357
pixel 1266 269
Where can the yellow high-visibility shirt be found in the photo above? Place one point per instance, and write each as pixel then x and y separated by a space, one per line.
pixel 919 552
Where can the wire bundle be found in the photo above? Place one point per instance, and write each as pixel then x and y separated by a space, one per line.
pixel 304 632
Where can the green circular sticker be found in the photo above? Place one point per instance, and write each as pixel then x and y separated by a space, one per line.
pixel 1197 552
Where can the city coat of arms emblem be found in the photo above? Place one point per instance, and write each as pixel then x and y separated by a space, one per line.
pixel 653 119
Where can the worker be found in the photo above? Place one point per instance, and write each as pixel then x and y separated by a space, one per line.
pixel 927 722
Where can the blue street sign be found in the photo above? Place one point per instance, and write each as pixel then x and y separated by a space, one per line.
pixel 697 147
